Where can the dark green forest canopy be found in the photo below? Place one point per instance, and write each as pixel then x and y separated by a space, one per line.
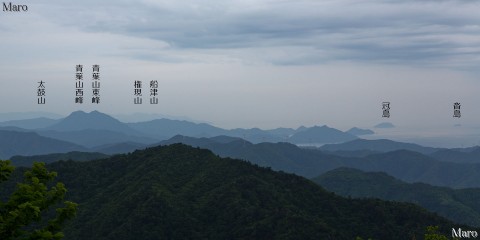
pixel 180 192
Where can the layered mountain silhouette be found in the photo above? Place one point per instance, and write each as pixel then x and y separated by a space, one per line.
pixel 176 191
pixel 96 129
pixel 165 128
pixel 409 166
pixel 34 123
pixel 323 134
pixel 415 167
pixel 359 132
pixel 116 148
pixel 381 145
pixel 93 129
pixel 457 156
pixel 30 143
pixel 458 205
pixel 14 116
pixel 403 164
pixel 80 120
pixel 94 138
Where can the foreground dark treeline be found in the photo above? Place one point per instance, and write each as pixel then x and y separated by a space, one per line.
pixel 180 192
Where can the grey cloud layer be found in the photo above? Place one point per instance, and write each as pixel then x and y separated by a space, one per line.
pixel 438 33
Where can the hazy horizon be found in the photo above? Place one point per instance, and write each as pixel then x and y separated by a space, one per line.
pixel 147 116
pixel 431 136
pixel 247 64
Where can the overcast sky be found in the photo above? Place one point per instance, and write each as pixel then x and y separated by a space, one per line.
pixel 250 63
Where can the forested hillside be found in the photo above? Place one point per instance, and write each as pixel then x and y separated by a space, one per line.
pixel 180 192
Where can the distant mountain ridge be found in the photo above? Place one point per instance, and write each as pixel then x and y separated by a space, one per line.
pixel 409 166
pixel 380 145
pixel 94 130
pixel 92 138
pixel 323 134
pixel 30 143
pixel 358 153
pixel 451 155
pixel 359 132
pixel 165 128
pixel 79 126
pixel 117 148
pixel 34 123
pixel 14 116
pixel 80 120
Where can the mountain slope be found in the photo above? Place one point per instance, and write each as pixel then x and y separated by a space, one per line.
pixel 323 134
pixel 257 135
pixel 116 148
pixel 380 145
pixel 165 128
pixel 402 164
pixel 354 153
pixel 30 143
pixel 27 161
pixel 457 156
pixel 415 167
pixel 179 192
pixel 159 129
pixel 13 116
pixel 33 123
pixel 80 120
pixel 95 137
pixel 282 132
pixel 279 156
pixel 358 131
pixel 452 204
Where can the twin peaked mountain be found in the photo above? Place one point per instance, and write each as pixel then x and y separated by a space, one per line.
pixel 96 131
